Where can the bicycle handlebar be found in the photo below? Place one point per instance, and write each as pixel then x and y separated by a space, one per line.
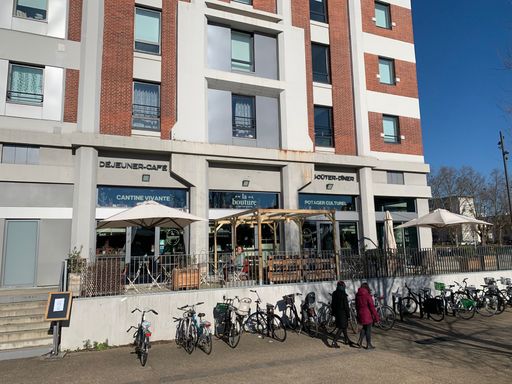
pixel 128 330
pixel 136 309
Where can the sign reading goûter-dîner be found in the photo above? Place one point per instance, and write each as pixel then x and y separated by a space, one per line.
pixel 334 177
pixel 135 165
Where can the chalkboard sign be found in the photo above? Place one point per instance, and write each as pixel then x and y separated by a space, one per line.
pixel 58 307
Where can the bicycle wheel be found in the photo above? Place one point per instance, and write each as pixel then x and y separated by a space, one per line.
pixel 487 305
pixel 206 343
pixel 463 306
pixel 330 324
pixel 191 338
pixel 179 334
pixel 387 318
pixel 278 329
pixel 234 334
pixel 290 319
pixel 409 306
pixel 353 322
pixel 143 352
pixel 256 323
pixel 439 314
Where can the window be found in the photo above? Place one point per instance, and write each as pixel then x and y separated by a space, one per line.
pixel 394 204
pixel 20 154
pixel 242 58
pixel 318 10
pixel 31 9
pixel 244 116
pixel 320 55
pixel 387 71
pixel 323 127
pixel 25 84
pixel 382 15
pixel 248 2
pixel 390 127
pixel 395 177
pixel 146 106
pixel 147 31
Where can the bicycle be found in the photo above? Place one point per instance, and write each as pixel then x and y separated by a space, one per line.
pixel 141 336
pixel 507 291
pixel 191 333
pixel 496 297
pixel 312 323
pixel 386 313
pixel 265 323
pixel 229 319
pixel 326 319
pixel 291 318
pixel 354 326
pixel 485 304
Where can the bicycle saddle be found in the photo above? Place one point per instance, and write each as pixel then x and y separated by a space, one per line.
pixel 201 315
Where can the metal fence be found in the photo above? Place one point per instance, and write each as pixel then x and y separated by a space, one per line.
pixel 115 275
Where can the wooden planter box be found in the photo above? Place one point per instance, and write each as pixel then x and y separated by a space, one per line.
pixel 185 278
pixel 284 270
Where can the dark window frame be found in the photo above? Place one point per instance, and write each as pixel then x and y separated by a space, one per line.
pixel 36 102
pixel 252 126
pixel 331 126
pixel 135 41
pixel 324 16
pixel 393 72
pixel 15 9
pixel 388 14
pixel 325 77
pixel 392 139
pixel 147 112
pixel 386 203
pixel 246 2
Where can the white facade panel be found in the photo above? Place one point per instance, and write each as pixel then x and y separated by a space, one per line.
pixel 320 33
pixel 397 157
pixel 147 69
pixel 53 93
pixel 322 94
pixel 6 7
pixel 150 3
pixel 21 110
pixel 4 74
pixel 383 46
pixel 393 104
pixel 400 3
pixel 57 18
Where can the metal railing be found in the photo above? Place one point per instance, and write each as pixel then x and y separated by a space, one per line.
pixel 24 97
pixel 244 127
pixel 146 117
pixel 115 275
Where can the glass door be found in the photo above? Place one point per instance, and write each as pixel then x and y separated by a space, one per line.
pixel 20 257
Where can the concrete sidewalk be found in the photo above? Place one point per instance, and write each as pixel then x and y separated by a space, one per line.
pixel 422 351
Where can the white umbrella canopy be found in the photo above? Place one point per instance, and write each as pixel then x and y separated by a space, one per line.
pixel 441 218
pixel 150 214
pixel 389 234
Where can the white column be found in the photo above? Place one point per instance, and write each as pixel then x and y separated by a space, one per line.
pixel 424 234
pixel 367 209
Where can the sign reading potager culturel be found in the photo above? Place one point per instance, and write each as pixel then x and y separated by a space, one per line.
pixel 243 200
pixel 319 201
pixel 130 196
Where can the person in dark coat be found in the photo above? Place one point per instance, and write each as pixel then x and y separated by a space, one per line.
pixel 366 314
pixel 341 312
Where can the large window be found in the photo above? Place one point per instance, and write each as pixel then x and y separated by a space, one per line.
pixel 147 30
pixel 382 15
pixel 25 84
pixel 395 177
pixel 391 129
pixel 244 116
pixel 146 106
pixel 395 204
pixel 320 56
pixel 323 127
pixel 31 9
pixel 242 51
pixel 386 71
pixel 20 154
pixel 318 10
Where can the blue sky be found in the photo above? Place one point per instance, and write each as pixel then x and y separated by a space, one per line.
pixel 463 86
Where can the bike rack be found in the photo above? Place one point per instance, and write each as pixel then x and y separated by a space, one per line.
pixel 397 299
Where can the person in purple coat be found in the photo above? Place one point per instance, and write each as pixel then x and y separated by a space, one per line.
pixel 366 314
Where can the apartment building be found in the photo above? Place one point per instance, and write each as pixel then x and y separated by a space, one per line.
pixel 205 105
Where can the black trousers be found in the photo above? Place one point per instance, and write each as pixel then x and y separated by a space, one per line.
pixel 366 332
pixel 338 334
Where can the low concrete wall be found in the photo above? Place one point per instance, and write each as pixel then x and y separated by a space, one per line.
pixel 108 318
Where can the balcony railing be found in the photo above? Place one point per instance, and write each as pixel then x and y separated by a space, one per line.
pixel 24 97
pixel 323 137
pixel 146 117
pixel 244 127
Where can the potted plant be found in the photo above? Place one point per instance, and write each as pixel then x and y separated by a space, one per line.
pixel 75 266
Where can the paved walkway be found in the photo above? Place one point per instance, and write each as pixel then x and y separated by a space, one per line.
pixel 454 351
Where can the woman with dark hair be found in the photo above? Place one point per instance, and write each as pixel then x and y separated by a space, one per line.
pixel 341 312
pixel 366 314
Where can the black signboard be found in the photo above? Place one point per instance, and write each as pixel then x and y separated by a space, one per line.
pixel 243 200
pixel 321 201
pixel 58 307
pixel 127 197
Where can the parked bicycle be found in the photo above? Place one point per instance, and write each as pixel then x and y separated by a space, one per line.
pixel 142 335
pixel 456 302
pixel 486 304
pixel 265 323
pixel 507 291
pixel 229 319
pixel 386 313
pixel 291 317
pixel 191 332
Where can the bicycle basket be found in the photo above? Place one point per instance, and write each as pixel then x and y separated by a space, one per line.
pixel 489 280
pixel 467 303
pixel 433 306
pixel 506 281
pixel 289 299
pixel 439 286
pixel 245 307
pixel 220 308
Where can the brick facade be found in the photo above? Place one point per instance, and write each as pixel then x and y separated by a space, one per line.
pixel 300 19
pixel 404 70
pixel 117 68
pixel 71 96
pixel 341 74
pixel 75 20
pixel 401 16
pixel 410 128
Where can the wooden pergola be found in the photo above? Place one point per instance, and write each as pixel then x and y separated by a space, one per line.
pixel 273 217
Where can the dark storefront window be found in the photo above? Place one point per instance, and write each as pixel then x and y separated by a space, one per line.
pixel 319 201
pixel 404 237
pixel 243 200
pixel 131 196
pixel 395 204
pixel 311 231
